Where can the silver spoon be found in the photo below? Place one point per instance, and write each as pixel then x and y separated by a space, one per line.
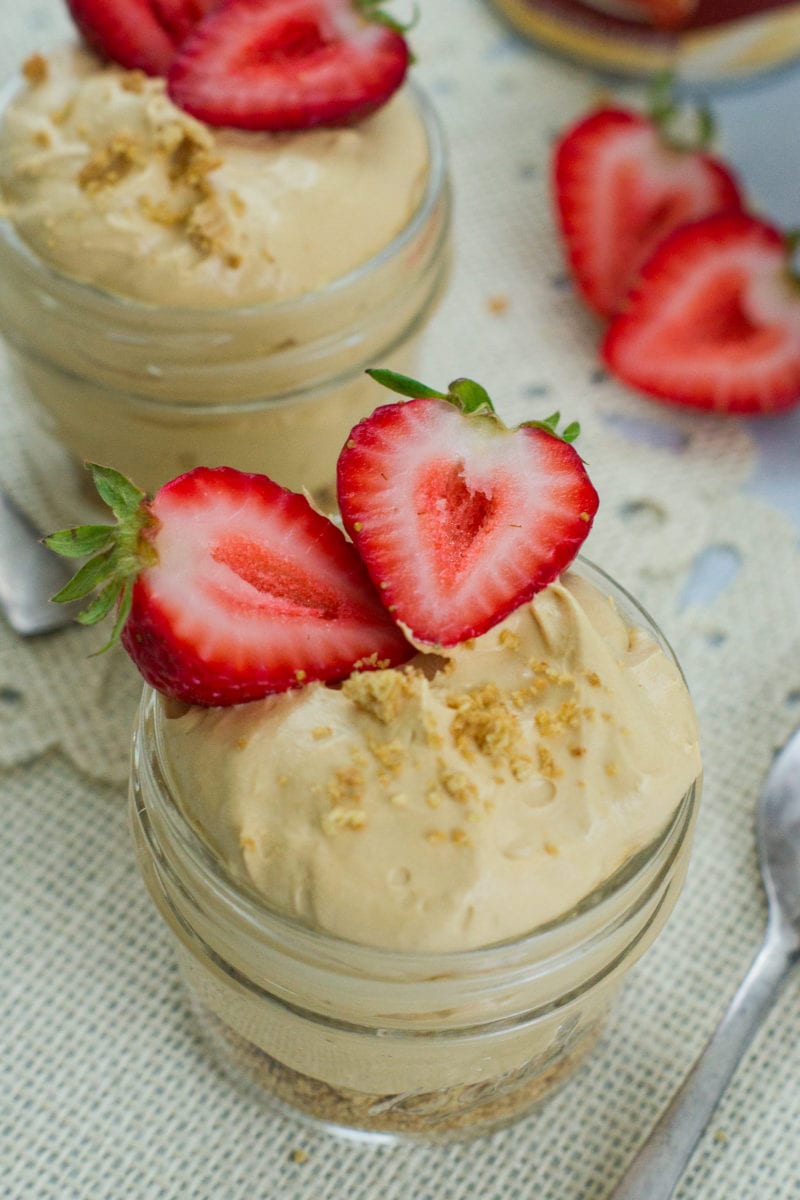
pixel 656 1170
pixel 29 575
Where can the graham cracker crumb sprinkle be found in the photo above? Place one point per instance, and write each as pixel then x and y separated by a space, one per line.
pixel 458 786
pixel 371 663
pixel 299 676
pixel 42 138
pixel 550 849
pixel 346 784
pixel 341 818
pixel 242 743
pixel 390 755
pixel 484 722
pixel 299 1156
pixel 283 780
pixel 60 115
pixel 577 751
pixel 550 674
pixel 551 724
pixel 381 694
pixel 399 800
pixel 36 69
pixel 110 163
pixel 435 836
pixel 133 81
pixel 497 304
pixel 434 798
pixel 608 717
pixel 611 770
pixel 509 639
pixel 247 843
pixel 321 732
pixel 547 766
pixel 593 679
pixel 469 644
pixel 459 837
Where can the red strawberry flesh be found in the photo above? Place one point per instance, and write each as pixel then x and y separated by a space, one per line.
pixel 254 592
pixel 620 189
pixel 179 17
pixel 715 320
pixel 457 538
pixel 126 31
pixel 290 64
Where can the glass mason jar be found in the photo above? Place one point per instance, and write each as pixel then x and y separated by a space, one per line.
pixel 701 41
pixel 428 1046
pixel 154 390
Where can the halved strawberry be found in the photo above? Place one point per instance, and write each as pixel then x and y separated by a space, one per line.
pixel 620 187
pixel 179 17
pixel 228 587
pixel 458 519
pixel 126 31
pixel 714 321
pixel 666 14
pixel 289 64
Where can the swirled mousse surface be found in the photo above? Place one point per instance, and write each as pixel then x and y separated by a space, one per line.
pixel 455 802
pixel 113 185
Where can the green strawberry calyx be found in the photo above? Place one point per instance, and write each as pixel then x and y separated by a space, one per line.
pixel 117 552
pixel 372 10
pixel 684 127
pixel 471 398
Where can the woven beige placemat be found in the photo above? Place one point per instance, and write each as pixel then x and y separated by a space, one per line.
pixel 105 1091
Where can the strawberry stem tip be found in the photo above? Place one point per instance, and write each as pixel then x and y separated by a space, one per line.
pixel 118 552
pixel 372 10
pixel 670 117
pixel 470 397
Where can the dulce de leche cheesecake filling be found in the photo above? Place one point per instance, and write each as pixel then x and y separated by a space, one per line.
pixel 114 185
pixel 463 799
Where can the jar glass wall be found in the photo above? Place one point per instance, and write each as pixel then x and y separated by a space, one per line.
pixel 155 390
pixel 429 1046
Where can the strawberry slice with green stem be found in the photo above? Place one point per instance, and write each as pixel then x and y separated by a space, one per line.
pixel 714 322
pixel 289 64
pixel 458 519
pixel 622 182
pixel 228 587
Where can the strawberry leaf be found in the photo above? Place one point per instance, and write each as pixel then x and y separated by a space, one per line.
pixel 371 10
pixel 123 612
pixel 90 576
pixel 120 551
pixel 102 604
pixel 469 396
pixel 465 394
pixel 121 496
pixel 404 386
pixel 80 541
pixel 550 425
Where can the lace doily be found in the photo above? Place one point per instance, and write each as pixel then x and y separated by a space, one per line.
pixel 108 1093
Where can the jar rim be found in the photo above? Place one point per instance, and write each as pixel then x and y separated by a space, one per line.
pixel 436 184
pixel 585 918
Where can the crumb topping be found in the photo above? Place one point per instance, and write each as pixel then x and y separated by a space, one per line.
pixel 111 163
pixel 341 818
pixel 36 69
pixel 380 693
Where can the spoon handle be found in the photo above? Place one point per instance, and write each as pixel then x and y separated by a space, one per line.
pixel 657 1168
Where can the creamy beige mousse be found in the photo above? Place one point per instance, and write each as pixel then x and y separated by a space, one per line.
pixel 201 296
pixel 464 799
pixel 113 185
